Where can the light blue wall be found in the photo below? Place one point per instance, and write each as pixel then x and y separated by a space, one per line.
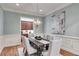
pixel 48 24
pixel 71 21
pixel 1 21
pixel 12 22
pixel 1 29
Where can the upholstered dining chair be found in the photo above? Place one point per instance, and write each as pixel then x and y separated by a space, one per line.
pixel 55 46
pixel 27 47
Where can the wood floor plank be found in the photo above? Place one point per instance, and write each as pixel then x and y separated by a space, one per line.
pixel 10 51
pixel 66 53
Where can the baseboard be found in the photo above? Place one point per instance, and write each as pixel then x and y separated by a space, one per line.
pixel 66 53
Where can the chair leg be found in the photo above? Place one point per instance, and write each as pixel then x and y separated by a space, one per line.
pixel 25 52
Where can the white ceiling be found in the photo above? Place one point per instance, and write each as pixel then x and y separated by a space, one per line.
pixel 31 8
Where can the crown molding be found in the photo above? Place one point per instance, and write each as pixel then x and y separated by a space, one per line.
pixel 34 14
pixel 21 12
pixel 59 8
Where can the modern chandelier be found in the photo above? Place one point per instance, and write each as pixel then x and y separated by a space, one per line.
pixel 37 22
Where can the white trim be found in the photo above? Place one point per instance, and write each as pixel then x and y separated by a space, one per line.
pixel 21 12
pixel 27 19
pixel 59 8
pixel 71 37
pixel 34 14
pixel 9 40
pixel 64 36
pixel 12 39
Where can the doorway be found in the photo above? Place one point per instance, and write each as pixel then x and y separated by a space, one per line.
pixel 26 26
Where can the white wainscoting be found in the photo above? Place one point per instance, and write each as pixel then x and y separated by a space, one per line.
pixel 12 39
pixel 71 44
pixel 9 40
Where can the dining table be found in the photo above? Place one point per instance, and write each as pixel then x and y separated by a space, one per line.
pixel 40 45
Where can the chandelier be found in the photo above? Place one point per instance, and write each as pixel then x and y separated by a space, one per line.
pixel 37 22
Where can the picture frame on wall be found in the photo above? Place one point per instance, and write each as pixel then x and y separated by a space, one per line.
pixel 59 23
pixel 61 18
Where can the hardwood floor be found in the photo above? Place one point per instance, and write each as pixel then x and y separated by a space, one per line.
pixel 10 51
pixel 66 53
pixel 13 51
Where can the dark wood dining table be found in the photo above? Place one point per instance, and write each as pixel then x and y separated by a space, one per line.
pixel 40 45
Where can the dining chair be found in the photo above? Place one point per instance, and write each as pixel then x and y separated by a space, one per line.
pixel 27 47
pixel 55 46
pixel 47 52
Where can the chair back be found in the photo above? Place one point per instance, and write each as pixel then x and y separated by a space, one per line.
pixel 55 46
pixel 26 43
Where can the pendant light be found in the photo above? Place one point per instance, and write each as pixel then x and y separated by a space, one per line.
pixel 37 22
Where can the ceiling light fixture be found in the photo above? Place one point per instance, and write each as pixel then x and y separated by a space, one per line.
pixel 41 10
pixel 37 22
pixel 17 4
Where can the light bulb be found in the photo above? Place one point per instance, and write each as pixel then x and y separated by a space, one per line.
pixel 17 4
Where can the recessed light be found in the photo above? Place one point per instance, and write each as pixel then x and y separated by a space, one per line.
pixel 17 4
pixel 41 10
